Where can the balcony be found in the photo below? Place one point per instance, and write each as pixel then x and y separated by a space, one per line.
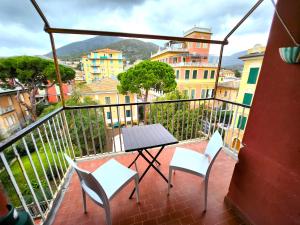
pixel 194 64
pixel 38 179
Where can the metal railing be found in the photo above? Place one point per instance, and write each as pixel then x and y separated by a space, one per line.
pixel 33 168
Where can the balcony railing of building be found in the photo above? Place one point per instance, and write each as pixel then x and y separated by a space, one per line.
pixel 194 64
pixel 33 169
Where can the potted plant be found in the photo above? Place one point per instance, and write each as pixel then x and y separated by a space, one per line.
pixel 289 54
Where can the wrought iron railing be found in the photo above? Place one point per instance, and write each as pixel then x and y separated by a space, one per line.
pixel 33 168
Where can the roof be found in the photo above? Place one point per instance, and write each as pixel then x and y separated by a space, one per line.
pixel 198 29
pixel 108 50
pixel 252 55
pixel 104 85
pixel 234 84
pixel 9 91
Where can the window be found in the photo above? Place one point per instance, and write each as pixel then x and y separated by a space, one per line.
pixel 177 74
pixel 242 122
pixel 108 115
pixel 204 45
pixel 253 74
pixel 209 93
pixel 186 93
pixel 107 100
pixel 127 99
pixel 247 99
pixel 10 120
pixel 225 94
pixel 9 100
pixel 193 93
pixel 111 61
pixel 205 74
pixel 203 93
pixel 187 74
pixel 128 113
pixel 120 60
pixel 194 74
pixel 212 74
pixel 198 45
pixel 101 61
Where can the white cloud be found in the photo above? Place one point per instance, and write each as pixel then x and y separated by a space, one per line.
pixel 166 17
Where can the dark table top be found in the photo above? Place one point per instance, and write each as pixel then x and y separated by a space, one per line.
pixel 147 136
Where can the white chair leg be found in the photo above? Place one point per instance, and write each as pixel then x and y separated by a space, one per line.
pixel 137 192
pixel 107 215
pixel 84 200
pixel 170 180
pixel 205 193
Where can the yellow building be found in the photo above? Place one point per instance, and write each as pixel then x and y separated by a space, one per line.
pixel 12 115
pixel 105 91
pixel 250 75
pixel 101 63
pixel 228 89
pixel 194 75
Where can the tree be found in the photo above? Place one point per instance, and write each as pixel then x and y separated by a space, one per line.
pixel 146 75
pixel 30 74
pixel 237 73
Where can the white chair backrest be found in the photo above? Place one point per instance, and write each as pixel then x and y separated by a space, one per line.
pixel 214 145
pixel 89 180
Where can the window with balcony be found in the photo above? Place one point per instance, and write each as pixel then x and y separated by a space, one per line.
pixel 247 99
pixel 212 74
pixel 187 74
pixel 242 122
pixel 107 100
pixel 193 93
pixel 177 74
pixel 127 99
pixel 128 113
pixel 253 74
pixel 108 115
pixel 194 74
pixel 205 74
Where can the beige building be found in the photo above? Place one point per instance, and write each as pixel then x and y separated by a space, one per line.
pixel 13 116
pixel 104 92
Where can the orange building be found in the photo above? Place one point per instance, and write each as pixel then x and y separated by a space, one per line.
pixel 194 75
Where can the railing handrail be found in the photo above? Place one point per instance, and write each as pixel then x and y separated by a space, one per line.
pixel 233 103
pixel 136 103
pixel 17 136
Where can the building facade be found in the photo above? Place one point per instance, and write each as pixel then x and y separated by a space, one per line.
pixel 102 63
pixel 252 64
pixel 105 92
pixel 194 75
pixel 13 116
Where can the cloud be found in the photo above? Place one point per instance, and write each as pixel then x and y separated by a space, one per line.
pixel 21 27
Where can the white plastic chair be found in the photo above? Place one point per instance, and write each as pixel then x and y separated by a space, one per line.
pixel 104 183
pixel 196 163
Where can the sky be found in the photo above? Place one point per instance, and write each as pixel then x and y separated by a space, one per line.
pixel 22 32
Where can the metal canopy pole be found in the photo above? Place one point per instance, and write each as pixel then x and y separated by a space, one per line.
pixel 226 41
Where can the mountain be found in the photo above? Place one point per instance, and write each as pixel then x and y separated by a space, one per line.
pixel 132 49
pixel 76 49
pixel 229 62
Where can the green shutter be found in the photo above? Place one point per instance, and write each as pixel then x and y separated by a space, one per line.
pixel 253 74
pixel 108 115
pixel 192 94
pixel 127 99
pixel 187 74
pixel 212 74
pixel 242 122
pixel 247 99
pixel 205 74
pixel 194 74
pixel 127 113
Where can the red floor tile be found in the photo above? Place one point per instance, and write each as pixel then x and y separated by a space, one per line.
pixel 183 206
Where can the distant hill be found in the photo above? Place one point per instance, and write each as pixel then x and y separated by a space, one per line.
pixel 231 61
pixel 132 49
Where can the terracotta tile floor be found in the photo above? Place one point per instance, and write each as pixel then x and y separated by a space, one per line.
pixel 183 206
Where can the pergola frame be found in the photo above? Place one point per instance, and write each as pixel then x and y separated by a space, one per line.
pixel 52 30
